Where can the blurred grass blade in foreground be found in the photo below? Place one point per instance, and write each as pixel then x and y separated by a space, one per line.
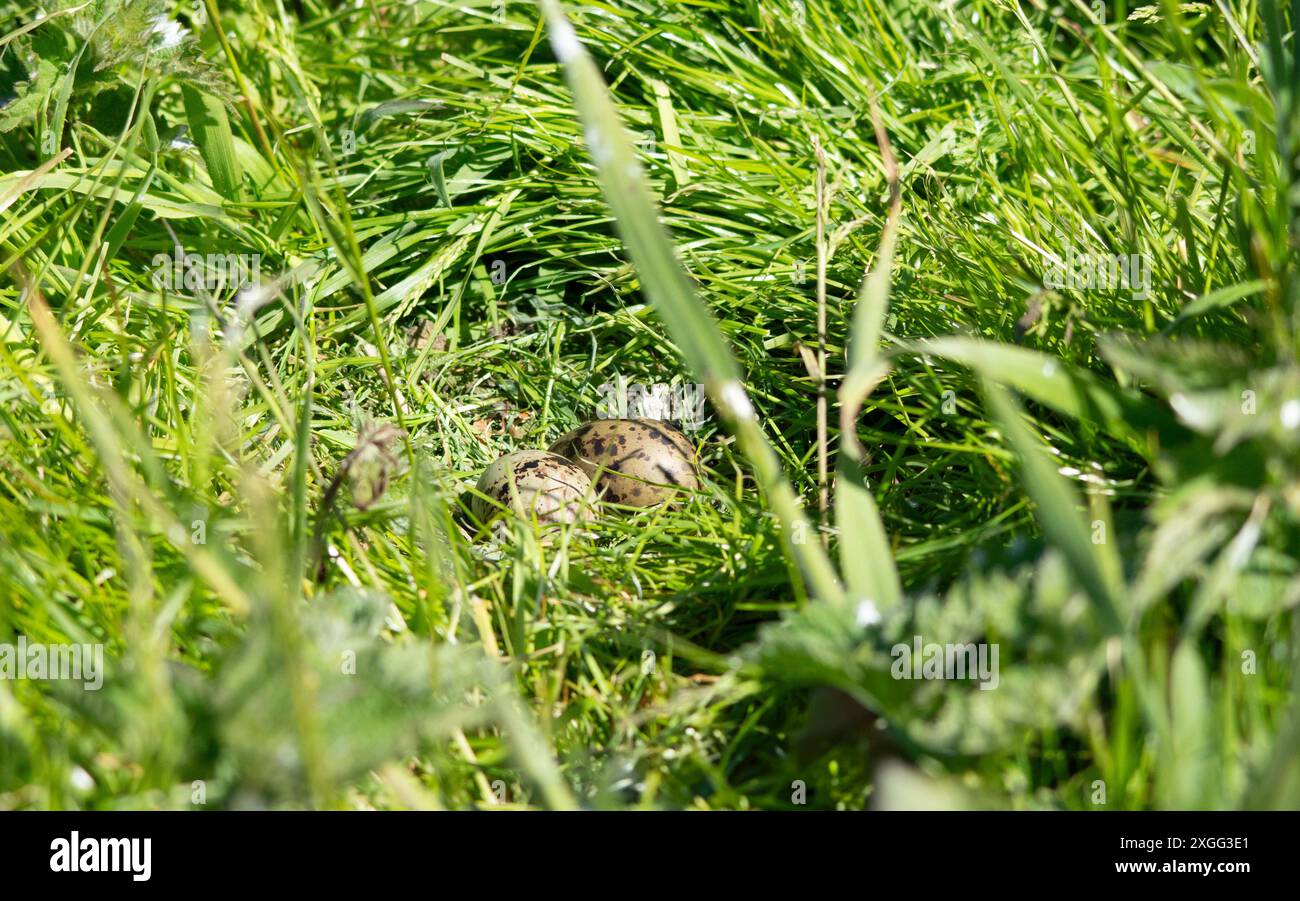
pixel 668 287
pixel 1057 510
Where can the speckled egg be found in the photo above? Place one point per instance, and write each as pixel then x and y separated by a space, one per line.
pixel 640 462
pixel 547 487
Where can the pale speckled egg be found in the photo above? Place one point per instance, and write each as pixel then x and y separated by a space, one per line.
pixel 546 487
pixel 636 462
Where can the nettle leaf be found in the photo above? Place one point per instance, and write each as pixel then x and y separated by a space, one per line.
pixel 378 695
pixel 31 96
pixel 1051 381
pixel 52 43
pixel 1269 586
pixel 1039 636
pixel 1040 641
pixel 1267 405
pixel 1248 419
pixel 1189 527
pixel 38 62
pixel 825 644
pixel 1177 367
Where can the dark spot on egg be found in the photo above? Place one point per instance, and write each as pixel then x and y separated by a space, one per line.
pixel 636 462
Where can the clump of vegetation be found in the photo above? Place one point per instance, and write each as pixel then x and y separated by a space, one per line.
pixel 997 314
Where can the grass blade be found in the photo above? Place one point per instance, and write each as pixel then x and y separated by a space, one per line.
pixel 1057 509
pixel 1050 381
pixel 211 129
pixel 665 282
pixel 865 557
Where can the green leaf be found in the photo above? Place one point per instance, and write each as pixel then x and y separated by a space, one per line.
pixel 866 368
pixel 59 116
pixel 665 282
pixel 1216 300
pixel 1190 771
pixel 1189 527
pixel 210 127
pixel 394 108
pixel 31 94
pixel 435 164
pixel 672 136
pixel 1058 510
pixel 865 558
pixel 1048 380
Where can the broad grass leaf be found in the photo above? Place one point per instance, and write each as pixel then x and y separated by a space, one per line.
pixel 691 324
pixel 1189 528
pixel 662 276
pixel 866 562
pixel 1056 384
pixel 1219 299
pixel 1190 773
pixel 210 126
pixel 1058 509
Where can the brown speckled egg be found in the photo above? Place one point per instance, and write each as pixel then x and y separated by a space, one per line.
pixel 642 459
pixel 547 487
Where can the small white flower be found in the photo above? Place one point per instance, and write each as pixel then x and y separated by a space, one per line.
pixel 1192 413
pixel 1291 414
pixel 868 613
pixel 1241 547
pixel 80 779
pixel 171 33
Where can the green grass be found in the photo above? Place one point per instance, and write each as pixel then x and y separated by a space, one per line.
pixel 452 239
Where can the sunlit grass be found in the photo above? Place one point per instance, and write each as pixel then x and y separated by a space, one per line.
pixel 436 252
